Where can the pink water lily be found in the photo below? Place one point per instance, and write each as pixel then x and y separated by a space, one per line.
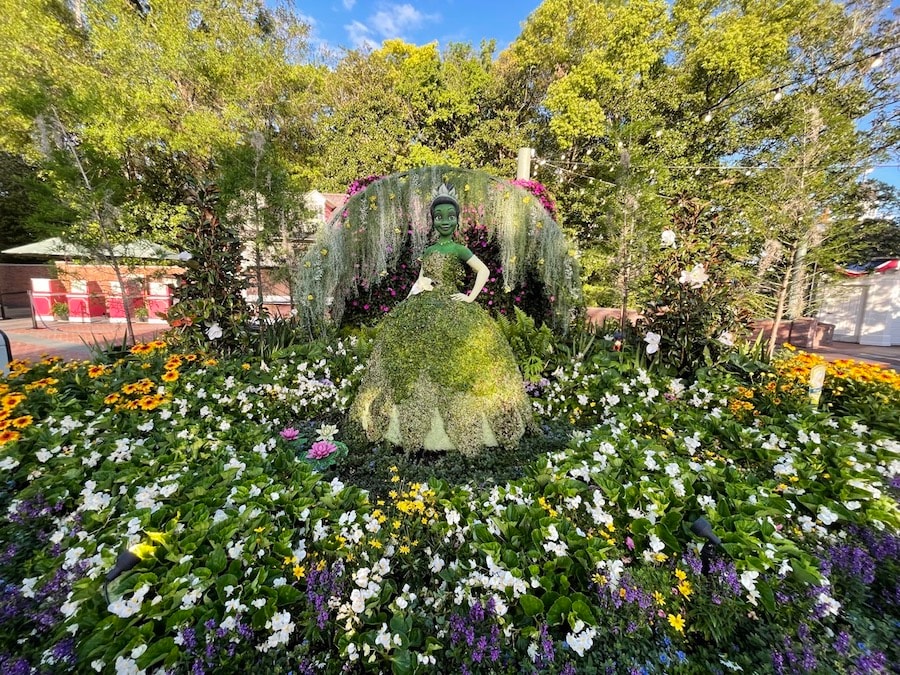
pixel 290 434
pixel 321 450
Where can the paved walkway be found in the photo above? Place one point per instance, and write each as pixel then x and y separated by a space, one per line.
pixel 70 340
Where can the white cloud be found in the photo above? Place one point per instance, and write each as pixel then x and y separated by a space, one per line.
pixel 394 20
pixel 390 21
pixel 359 35
pixel 348 4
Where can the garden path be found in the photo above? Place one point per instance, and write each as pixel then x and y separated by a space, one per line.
pixel 69 340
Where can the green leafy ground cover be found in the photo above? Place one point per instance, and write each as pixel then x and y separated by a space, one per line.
pixel 572 553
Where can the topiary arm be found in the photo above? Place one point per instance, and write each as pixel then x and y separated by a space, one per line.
pixel 481 276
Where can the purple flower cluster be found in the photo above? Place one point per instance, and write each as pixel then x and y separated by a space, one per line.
pixel 477 633
pixel 215 645
pixel 849 560
pixel 546 650
pixel 15 665
pixel 30 510
pixel 322 584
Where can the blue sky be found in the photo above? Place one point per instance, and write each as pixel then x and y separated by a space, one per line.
pixel 356 23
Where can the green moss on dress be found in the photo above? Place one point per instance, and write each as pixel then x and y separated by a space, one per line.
pixel 441 375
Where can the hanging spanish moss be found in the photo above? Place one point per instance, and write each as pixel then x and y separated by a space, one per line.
pixel 363 242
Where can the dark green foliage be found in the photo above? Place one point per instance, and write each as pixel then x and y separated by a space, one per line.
pixel 210 295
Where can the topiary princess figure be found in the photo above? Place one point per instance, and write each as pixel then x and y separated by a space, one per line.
pixel 441 375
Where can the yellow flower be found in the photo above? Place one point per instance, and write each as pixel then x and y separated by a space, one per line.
pixel 143 551
pixel 170 376
pixel 685 588
pixel 245 366
pixel 299 571
pixel 677 622
pixel 660 600
pixel 310 297
pixel 393 469
pixel 23 421
pixel 96 371
pixel 290 559
pixel 374 543
pixel 661 557
pixel 112 398
pixel 404 549
pixel 8 436
pixel 395 479
pixel 681 575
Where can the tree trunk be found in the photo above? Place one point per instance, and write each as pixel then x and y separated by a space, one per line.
pixel 782 299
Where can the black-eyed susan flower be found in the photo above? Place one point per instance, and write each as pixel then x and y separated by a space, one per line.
pixel 170 376
pixel 10 401
pixel 8 436
pixel 96 371
pixel 23 421
pixel 111 399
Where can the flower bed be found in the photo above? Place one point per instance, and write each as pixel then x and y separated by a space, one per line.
pixel 249 555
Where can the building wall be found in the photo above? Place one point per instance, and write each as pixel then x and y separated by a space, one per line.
pixel 15 281
pixel 865 310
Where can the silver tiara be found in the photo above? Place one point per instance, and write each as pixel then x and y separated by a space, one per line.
pixel 445 191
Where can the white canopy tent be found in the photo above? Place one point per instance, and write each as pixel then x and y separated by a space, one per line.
pixel 57 247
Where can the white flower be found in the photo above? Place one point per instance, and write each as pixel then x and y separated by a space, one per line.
pixel 437 564
pixel 580 639
pixel 327 432
pixel 184 256
pixel 652 340
pixel 668 238
pixel 8 464
pixel 214 332
pixel 695 277
pixel 126 666
pixel 726 339
pixel 748 581
pixel 826 515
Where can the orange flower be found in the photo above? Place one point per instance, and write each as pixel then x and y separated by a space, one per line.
pixel 141 348
pixel 112 398
pixel 8 436
pixel 170 376
pixel 10 401
pixel 23 421
pixel 96 371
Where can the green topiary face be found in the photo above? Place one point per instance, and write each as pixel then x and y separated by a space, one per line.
pixel 446 218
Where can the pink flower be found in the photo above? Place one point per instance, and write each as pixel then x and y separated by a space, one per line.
pixel 629 542
pixel 321 450
pixel 290 434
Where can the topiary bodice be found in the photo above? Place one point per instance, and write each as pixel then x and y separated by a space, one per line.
pixel 445 270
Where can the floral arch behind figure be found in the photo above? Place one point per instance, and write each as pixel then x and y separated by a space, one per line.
pixel 385 225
